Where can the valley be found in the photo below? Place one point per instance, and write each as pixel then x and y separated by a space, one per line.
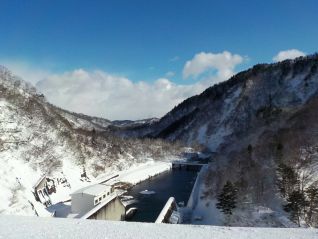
pixel 240 126
pixel 159 119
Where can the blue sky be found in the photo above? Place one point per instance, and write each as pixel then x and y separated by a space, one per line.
pixel 144 41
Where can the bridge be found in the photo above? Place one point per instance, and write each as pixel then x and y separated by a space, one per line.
pixel 188 165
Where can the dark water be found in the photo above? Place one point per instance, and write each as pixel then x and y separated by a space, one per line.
pixel 175 183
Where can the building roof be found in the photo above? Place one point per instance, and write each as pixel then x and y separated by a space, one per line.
pixel 39 181
pixel 93 190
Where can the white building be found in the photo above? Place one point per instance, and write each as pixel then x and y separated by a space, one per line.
pixel 85 199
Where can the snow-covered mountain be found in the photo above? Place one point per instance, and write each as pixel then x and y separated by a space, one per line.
pixel 245 102
pixel 37 138
pixel 259 118
pixel 249 125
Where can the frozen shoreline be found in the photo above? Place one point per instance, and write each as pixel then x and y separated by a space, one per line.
pixel 138 173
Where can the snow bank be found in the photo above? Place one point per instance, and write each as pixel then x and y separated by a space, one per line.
pixel 142 172
pixel 32 227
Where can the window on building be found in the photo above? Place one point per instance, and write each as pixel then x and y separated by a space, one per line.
pixel 104 196
pixel 100 199
pixel 96 201
pixel 108 193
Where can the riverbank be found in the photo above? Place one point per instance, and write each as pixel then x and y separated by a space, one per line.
pixel 137 174
pixel 127 178
pixel 202 212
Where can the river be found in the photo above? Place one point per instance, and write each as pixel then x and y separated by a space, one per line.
pixel 174 183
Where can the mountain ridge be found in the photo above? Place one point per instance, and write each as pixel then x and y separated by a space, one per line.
pixel 249 125
pixel 37 138
pixel 260 119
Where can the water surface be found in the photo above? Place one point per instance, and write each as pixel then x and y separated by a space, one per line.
pixel 175 183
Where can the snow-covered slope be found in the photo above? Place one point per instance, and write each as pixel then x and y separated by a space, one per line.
pixel 249 124
pixel 39 139
pixel 257 119
pixel 235 106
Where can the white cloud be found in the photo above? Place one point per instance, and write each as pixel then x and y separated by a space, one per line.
pixel 99 93
pixel 114 97
pixel 288 54
pixel 25 70
pixel 170 74
pixel 224 64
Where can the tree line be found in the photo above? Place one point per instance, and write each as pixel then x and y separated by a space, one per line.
pixel 301 201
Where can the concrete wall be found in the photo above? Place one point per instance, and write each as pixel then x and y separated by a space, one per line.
pixel 102 196
pixel 167 210
pixel 194 196
pixel 114 211
pixel 39 187
pixel 82 203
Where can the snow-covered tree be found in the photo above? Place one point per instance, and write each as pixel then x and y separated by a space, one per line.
pixel 288 180
pixel 312 211
pixel 296 204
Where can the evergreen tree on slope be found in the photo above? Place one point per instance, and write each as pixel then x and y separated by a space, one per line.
pixel 296 204
pixel 227 198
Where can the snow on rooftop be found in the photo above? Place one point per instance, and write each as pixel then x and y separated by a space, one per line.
pixel 35 227
pixel 94 190
pixel 138 173
pixel 39 181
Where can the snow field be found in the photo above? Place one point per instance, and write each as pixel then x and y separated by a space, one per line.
pixel 32 227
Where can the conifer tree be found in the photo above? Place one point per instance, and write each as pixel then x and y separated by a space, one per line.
pixel 312 195
pixel 227 198
pixel 288 180
pixel 296 204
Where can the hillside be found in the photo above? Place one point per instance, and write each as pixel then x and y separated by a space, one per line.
pixel 37 138
pixel 256 127
pixel 258 120
pixel 232 107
